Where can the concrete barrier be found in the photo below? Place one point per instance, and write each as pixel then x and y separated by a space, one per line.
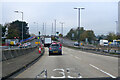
pixel 14 65
pixel 9 54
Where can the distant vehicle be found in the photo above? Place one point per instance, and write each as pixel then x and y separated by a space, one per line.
pixel 116 42
pixel 76 44
pixel 28 43
pixel 12 42
pixel 103 42
pixel 20 46
pixel 47 41
pixel 59 44
pixel 55 49
pixel 25 45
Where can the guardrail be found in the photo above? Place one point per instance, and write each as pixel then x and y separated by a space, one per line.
pixel 107 49
pixel 98 49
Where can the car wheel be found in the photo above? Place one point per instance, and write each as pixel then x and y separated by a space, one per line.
pixel 60 53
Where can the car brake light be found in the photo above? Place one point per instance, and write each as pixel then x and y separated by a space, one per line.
pixel 50 48
pixel 60 48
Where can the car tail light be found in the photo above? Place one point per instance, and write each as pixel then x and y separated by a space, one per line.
pixel 60 48
pixel 50 48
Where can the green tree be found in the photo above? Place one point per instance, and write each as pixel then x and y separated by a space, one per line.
pixel 3 30
pixel 118 36
pixel 83 34
pixel 60 35
pixel 15 30
pixel 111 36
pixel 90 35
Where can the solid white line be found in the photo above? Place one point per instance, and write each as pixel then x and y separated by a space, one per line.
pixel 102 71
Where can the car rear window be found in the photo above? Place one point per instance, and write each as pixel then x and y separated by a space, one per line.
pixel 55 45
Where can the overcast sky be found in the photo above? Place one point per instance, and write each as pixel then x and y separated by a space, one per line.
pixel 97 16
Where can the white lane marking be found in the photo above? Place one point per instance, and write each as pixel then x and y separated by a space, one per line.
pixel 102 71
pixel 71 55
pixel 74 77
pixel 77 57
pixel 60 73
pixel 9 62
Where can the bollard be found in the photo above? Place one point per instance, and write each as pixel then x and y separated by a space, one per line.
pixel 39 49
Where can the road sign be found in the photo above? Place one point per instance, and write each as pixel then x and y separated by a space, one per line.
pixel 37 43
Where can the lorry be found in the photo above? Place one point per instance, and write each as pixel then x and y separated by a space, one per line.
pixel 47 41
pixel 103 42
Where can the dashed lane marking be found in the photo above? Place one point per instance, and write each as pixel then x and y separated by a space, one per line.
pixel 102 71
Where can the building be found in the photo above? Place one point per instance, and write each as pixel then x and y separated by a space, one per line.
pixel 118 28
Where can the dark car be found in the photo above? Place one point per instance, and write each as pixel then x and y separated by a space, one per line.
pixel 55 49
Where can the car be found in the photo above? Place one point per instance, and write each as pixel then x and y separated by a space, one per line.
pixel 76 44
pixel 59 44
pixel 55 49
pixel 28 43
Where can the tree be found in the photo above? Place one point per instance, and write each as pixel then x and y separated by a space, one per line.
pixel 118 36
pixel 60 35
pixel 111 36
pixel 83 34
pixel 15 30
pixel 3 30
pixel 90 35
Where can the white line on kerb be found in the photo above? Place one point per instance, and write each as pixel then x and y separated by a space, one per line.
pixel 102 71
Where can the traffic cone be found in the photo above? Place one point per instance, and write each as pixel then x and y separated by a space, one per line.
pixel 39 49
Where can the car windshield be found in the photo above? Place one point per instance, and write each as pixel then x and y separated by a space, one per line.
pixel 59 39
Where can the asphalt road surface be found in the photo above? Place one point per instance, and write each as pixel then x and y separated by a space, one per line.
pixel 72 64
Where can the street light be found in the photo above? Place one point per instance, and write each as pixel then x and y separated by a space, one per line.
pixel 79 20
pixel 37 27
pixel 116 27
pixel 38 37
pixel 22 21
pixel 62 29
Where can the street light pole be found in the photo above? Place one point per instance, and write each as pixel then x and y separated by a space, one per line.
pixel 62 30
pixel 79 22
pixel 37 27
pixel 52 30
pixel 22 21
pixel 55 27
pixel 37 32
pixel 116 27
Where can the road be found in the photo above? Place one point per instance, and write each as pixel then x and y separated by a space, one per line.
pixel 73 64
